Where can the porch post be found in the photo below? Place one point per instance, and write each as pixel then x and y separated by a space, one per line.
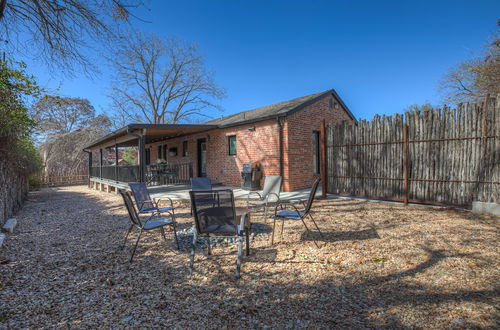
pixel 90 165
pixel 116 162
pixel 142 158
pixel 100 163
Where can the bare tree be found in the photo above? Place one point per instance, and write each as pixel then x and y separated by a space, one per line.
pixel 64 151
pixel 59 31
pixel 474 78
pixel 57 115
pixel 162 81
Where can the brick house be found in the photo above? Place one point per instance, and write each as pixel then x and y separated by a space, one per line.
pixel 282 137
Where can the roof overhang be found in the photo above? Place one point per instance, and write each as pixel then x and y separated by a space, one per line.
pixel 127 136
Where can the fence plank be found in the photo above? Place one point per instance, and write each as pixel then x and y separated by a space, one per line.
pixel 442 156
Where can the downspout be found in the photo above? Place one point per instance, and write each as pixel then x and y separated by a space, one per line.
pixel 280 137
pixel 142 154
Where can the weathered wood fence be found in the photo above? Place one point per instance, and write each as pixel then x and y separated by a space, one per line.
pixel 65 177
pixel 444 156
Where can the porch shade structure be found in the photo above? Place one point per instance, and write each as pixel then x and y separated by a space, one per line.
pixel 135 135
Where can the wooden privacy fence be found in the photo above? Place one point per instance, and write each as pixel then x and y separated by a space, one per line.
pixel 65 177
pixel 443 156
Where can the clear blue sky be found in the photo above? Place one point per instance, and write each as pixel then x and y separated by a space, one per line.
pixel 380 56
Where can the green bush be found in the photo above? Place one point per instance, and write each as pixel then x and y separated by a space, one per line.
pixel 34 182
pixel 16 125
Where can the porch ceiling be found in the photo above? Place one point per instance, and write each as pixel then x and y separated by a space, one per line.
pixel 125 136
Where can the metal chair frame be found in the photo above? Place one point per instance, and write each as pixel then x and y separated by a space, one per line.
pixel 300 214
pixel 240 230
pixel 265 196
pixel 143 225
pixel 148 204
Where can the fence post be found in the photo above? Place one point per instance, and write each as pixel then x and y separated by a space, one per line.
pixel 405 162
pixel 324 165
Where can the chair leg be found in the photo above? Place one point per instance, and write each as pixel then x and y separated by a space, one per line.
pixel 238 259
pixel 135 247
pixel 247 234
pixel 209 249
pixel 320 233
pixel 282 226
pixel 274 226
pixel 126 236
pixel 307 228
pixel 163 234
pixel 174 225
pixel 193 247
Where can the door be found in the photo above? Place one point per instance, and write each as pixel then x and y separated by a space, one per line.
pixel 202 157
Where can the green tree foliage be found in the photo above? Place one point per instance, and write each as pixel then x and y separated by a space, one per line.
pixel 130 156
pixel 16 91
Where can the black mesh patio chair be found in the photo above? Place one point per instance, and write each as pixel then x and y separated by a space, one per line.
pixel 220 220
pixel 269 196
pixel 152 222
pixel 293 212
pixel 203 184
pixel 146 204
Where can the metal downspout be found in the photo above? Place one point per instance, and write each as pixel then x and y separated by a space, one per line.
pixel 280 137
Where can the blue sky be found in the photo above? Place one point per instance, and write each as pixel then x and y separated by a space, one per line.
pixel 380 56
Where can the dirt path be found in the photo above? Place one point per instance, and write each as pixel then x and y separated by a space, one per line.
pixel 379 266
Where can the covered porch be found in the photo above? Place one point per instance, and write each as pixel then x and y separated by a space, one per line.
pixel 122 157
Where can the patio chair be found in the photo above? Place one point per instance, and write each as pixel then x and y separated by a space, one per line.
pixel 203 184
pixel 270 194
pixel 146 204
pixel 293 213
pixel 218 221
pixel 152 222
pixel 199 184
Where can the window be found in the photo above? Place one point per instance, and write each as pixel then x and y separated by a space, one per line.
pixel 184 149
pixel 231 142
pixel 316 153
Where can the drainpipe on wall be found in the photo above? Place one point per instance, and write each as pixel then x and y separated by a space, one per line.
pixel 280 137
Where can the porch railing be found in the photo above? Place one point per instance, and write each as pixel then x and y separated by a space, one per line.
pixel 154 175
pixel 127 173
pixel 169 173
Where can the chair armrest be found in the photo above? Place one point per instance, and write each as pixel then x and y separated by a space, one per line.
pixel 148 201
pixel 273 194
pixel 249 194
pixel 158 200
pixel 253 192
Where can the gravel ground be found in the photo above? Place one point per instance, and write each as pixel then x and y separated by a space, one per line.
pixel 379 266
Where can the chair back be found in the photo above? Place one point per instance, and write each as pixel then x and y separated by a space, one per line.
pixel 201 184
pixel 141 195
pixel 312 194
pixel 134 217
pixel 272 184
pixel 218 217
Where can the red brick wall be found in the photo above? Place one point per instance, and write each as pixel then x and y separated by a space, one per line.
pixel 298 141
pixel 261 145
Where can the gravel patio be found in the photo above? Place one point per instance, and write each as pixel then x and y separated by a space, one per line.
pixel 380 265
